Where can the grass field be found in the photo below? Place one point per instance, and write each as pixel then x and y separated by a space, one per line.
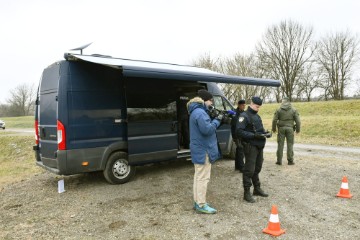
pixel 331 122
pixel 17 160
pixel 19 122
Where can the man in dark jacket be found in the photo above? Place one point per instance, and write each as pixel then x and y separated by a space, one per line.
pixel 253 137
pixel 203 147
pixel 239 155
pixel 284 119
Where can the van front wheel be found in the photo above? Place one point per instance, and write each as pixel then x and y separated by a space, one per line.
pixel 118 170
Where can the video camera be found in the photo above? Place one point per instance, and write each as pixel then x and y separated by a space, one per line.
pixel 224 116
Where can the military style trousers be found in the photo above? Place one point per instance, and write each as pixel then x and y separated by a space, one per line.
pixel 239 156
pixel 254 159
pixel 201 180
pixel 288 134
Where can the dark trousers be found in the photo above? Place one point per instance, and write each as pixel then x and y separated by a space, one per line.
pixel 239 156
pixel 254 159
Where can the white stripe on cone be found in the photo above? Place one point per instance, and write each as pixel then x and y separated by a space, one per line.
pixel 345 185
pixel 274 218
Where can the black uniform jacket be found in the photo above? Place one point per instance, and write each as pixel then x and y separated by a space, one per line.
pixel 234 120
pixel 248 124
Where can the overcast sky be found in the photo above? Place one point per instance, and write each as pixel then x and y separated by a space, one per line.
pixel 36 33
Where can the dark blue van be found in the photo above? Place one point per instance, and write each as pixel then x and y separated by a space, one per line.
pixel 97 113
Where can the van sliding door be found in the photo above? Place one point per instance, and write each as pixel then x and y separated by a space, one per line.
pixel 152 125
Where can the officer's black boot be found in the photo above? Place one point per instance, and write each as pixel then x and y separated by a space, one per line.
pixel 247 196
pixel 259 192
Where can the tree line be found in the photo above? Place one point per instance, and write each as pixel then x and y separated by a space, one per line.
pixel 20 103
pixel 288 52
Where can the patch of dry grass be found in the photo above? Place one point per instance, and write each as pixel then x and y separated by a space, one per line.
pixel 17 160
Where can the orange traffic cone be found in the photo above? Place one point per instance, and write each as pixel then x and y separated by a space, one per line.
pixel 274 223
pixel 344 189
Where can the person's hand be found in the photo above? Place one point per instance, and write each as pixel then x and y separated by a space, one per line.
pixel 268 134
pixel 259 136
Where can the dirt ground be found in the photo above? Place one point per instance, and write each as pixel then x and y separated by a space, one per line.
pixel 157 203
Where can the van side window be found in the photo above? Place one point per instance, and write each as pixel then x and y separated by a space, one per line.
pixel 150 100
pixel 218 103
pixel 167 111
pixel 228 106
pixel 94 107
pixel 222 104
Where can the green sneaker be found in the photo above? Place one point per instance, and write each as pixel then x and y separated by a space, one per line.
pixel 205 209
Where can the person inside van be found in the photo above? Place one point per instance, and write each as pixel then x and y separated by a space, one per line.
pixel 203 147
pixel 184 138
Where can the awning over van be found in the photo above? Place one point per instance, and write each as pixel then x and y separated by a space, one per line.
pixel 147 69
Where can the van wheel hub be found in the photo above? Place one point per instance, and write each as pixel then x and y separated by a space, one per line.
pixel 121 169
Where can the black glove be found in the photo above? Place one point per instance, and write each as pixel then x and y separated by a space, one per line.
pixel 268 134
pixel 259 136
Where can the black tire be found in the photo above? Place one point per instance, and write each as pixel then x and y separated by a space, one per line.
pixel 118 170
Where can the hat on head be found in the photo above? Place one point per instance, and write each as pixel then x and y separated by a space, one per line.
pixel 205 95
pixel 257 100
pixel 242 101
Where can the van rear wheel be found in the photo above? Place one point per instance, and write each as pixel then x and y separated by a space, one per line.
pixel 118 170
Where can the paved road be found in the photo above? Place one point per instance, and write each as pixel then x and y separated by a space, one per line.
pixel 352 153
pixel 19 131
pixel 326 151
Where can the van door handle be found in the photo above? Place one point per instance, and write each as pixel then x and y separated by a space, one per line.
pixel 43 133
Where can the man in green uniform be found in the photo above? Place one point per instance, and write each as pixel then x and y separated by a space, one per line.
pixel 284 119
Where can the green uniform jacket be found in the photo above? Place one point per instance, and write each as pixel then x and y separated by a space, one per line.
pixel 285 116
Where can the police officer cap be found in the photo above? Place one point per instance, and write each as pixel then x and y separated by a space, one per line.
pixel 205 95
pixel 256 100
pixel 242 101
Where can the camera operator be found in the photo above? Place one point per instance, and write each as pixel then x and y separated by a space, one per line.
pixel 203 147
pixel 250 129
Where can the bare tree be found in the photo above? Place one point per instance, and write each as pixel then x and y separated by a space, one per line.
pixel 336 54
pixel 205 61
pixel 22 99
pixel 247 66
pixel 309 80
pixel 284 50
pixel 237 65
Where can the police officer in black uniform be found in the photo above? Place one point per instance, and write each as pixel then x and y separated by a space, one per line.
pixel 239 155
pixel 251 131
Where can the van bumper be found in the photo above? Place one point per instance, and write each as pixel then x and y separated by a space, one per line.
pixel 50 169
